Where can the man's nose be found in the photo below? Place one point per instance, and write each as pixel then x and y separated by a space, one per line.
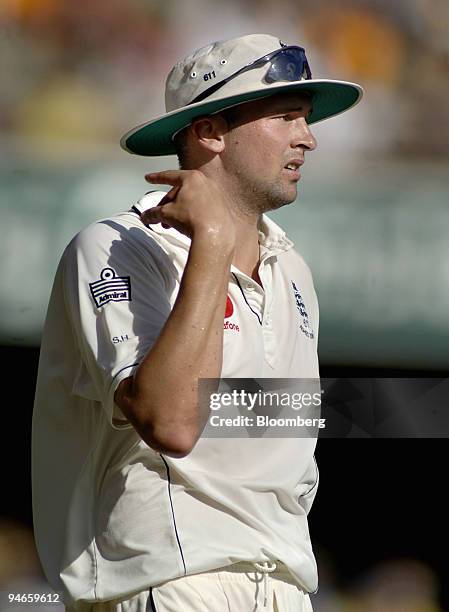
pixel 303 137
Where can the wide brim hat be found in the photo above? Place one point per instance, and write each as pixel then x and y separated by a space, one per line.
pixel 193 76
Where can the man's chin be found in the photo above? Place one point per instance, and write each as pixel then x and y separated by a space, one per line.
pixel 284 201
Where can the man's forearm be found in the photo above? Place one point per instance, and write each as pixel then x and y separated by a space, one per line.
pixel 161 400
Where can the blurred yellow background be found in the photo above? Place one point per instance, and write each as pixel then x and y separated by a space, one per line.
pixel 372 211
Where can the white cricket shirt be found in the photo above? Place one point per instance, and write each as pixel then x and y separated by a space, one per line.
pixel 111 515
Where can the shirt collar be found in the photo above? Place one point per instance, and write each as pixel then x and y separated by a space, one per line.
pixel 272 238
pixel 151 199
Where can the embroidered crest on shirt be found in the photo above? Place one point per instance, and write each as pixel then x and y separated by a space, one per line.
pixel 110 288
pixel 305 325
pixel 228 313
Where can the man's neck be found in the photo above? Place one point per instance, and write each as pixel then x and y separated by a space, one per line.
pixel 247 252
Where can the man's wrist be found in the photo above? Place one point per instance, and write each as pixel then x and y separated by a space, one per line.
pixel 212 239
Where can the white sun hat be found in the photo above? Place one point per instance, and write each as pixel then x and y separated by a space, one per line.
pixel 227 73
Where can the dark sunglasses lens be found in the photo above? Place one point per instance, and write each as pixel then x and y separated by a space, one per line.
pixel 288 65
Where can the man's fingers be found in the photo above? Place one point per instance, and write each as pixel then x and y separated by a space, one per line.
pixel 167 177
pixel 169 196
pixel 152 215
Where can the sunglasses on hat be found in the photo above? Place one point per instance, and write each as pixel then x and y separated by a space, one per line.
pixel 286 64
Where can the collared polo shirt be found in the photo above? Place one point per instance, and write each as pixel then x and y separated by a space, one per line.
pixel 112 516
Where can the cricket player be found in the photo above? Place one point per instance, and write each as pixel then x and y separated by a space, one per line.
pixel 134 509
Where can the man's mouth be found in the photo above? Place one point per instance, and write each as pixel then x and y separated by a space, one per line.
pixel 293 169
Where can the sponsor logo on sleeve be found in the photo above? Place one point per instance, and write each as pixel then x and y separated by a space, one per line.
pixel 110 288
pixel 305 325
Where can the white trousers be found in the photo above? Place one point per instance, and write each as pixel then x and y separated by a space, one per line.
pixel 238 588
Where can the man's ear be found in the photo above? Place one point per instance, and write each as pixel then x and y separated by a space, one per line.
pixel 209 132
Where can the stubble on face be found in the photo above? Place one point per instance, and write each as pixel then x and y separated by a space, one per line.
pixel 256 176
pixel 257 158
pixel 260 192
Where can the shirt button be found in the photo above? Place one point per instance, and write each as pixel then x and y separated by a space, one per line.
pixel 249 287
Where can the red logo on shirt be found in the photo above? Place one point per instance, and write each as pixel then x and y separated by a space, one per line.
pixel 229 308
pixel 228 313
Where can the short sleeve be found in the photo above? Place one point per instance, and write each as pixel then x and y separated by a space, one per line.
pixel 117 287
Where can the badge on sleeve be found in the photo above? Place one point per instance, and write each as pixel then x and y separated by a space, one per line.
pixel 110 288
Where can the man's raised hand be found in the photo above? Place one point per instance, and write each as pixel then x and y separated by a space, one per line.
pixel 195 206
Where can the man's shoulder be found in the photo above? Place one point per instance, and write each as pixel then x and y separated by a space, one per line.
pixel 118 245
pixel 294 260
pixel 122 232
pixel 299 259
pixel 123 225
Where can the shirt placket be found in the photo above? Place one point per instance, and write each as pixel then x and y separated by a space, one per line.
pixel 269 336
pixel 260 300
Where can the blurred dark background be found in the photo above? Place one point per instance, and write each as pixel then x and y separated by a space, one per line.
pixel 378 523
pixel 371 220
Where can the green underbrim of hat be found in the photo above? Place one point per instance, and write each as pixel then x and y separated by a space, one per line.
pixel 155 137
